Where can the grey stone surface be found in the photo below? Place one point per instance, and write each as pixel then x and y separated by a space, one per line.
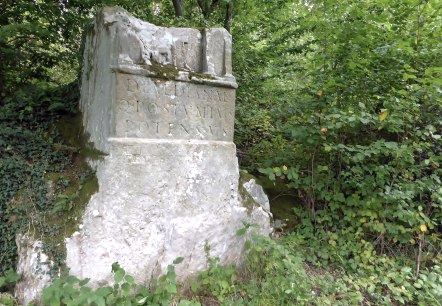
pixel 257 193
pixel 159 200
pixel 217 52
pixel 160 102
pixel 33 266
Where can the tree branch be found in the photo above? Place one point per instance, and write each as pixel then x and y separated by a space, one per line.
pixel 2 85
pixel 207 8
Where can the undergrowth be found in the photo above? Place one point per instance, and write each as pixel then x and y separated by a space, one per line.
pixel 274 273
pixel 44 178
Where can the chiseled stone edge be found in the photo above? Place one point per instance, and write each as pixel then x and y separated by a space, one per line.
pixel 177 141
pixel 228 82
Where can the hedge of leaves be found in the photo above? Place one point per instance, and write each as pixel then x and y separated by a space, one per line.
pixel 344 108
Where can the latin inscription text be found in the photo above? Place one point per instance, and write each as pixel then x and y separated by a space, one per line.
pixel 171 109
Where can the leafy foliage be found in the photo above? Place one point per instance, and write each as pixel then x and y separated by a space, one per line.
pixel 10 277
pixel 7 281
pixel 278 273
pixel 26 153
pixel 342 107
pixel 218 281
pixel 71 291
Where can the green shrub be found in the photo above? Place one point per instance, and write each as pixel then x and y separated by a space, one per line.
pixel 71 291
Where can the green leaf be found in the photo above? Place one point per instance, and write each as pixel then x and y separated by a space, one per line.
pixel 224 284
pixel 171 288
pixel 115 267
pixel 129 279
pixel 100 301
pixel 118 277
pixel 84 281
pixel 125 289
pixel 407 76
pixel 142 301
pixel 178 260
pixel 405 270
pixel 241 231
pixel 54 302
pixel 104 291
pixel 269 172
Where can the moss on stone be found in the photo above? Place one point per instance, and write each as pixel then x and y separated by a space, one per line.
pixel 246 199
pixel 68 206
pixel 76 139
pixel 282 201
pixel 202 76
pixel 168 72
pixel 171 72
pixel 71 190
pixel 282 209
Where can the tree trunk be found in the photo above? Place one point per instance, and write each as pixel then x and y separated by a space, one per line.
pixel 207 7
pixel 213 6
pixel 228 17
pixel 178 5
pixel 203 6
pixel 2 83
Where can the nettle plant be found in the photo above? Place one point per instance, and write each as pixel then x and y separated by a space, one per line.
pixel 348 119
pixel 358 138
pixel 72 291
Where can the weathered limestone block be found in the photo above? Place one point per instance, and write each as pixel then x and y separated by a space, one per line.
pixel 160 102
pixel 34 266
pixel 121 51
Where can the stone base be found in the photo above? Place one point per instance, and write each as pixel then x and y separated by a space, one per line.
pixel 160 200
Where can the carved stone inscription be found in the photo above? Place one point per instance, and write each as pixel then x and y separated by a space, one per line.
pixel 153 108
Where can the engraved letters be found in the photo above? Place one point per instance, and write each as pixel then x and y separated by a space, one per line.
pixel 173 110
pixel 132 85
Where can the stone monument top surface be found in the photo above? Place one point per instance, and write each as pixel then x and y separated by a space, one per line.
pixel 185 54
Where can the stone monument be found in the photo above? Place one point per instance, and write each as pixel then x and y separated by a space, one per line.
pixel 160 102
